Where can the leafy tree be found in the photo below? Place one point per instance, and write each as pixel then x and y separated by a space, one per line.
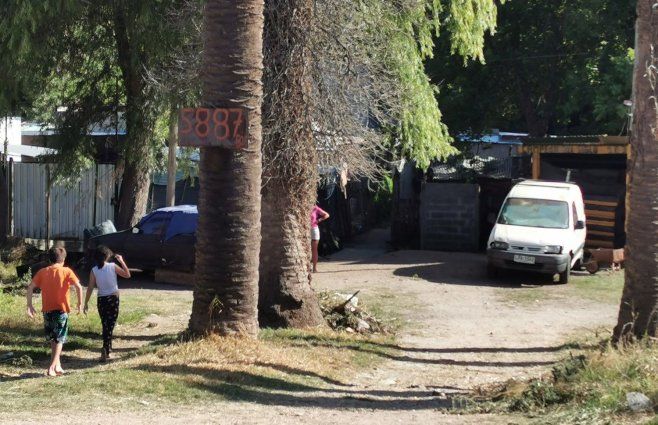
pixel 419 132
pixel 552 67
pixel 326 67
pixel 92 57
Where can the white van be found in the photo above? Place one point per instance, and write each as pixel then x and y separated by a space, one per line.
pixel 540 227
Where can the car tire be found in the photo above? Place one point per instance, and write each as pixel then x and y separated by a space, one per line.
pixel 492 271
pixel 564 276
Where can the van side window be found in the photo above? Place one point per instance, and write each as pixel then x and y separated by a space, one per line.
pixel 574 211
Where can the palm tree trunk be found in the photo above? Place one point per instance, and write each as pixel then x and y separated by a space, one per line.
pixel 228 235
pixel 290 176
pixel 637 312
pixel 285 295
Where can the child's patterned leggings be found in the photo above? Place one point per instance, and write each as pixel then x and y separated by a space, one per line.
pixel 108 309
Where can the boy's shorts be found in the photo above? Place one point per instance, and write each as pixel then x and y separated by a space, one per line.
pixel 56 325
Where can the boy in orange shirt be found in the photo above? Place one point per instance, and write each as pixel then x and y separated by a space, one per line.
pixel 54 282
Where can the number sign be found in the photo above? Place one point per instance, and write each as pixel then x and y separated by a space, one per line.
pixel 221 127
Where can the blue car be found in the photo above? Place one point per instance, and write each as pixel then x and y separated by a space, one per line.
pixel 164 238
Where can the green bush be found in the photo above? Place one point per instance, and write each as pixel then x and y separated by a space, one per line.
pixel 383 200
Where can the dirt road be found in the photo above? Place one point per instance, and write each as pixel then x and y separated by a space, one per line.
pixel 461 331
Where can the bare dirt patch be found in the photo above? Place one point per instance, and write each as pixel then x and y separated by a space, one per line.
pixel 463 331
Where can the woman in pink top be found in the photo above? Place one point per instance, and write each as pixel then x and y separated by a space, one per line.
pixel 317 215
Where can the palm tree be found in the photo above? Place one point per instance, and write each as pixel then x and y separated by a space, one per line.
pixel 285 295
pixel 638 309
pixel 228 236
pixel 290 171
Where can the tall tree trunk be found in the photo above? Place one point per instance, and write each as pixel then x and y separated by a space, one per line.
pixel 290 176
pixel 140 121
pixel 138 160
pixel 639 303
pixel 228 236
pixel 133 195
pixel 285 295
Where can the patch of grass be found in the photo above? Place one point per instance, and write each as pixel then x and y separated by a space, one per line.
pixel 281 365
pixel 604 287
pixel 590 388
pixel 24 337
pixel 7 271
pixel 9 280
pixel 117 388
pixel 527 295
pixel 361 351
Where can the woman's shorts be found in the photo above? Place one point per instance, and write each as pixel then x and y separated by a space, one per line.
pixel 315 233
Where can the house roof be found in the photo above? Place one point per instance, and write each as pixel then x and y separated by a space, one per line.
pixel 31 151
pixel 585 144
pixel 496 137
pixel 106 128
pixel 584 139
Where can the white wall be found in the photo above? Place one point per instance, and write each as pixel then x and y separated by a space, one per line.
pixel 13 133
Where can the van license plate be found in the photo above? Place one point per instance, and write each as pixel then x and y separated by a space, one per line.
pixel 525 259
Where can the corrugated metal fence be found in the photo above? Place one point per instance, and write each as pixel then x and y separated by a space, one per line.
pixel 72 209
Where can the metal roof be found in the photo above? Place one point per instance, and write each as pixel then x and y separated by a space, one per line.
pixel 32 151
pixel 500 138
pixel 585 139
pixel 106 128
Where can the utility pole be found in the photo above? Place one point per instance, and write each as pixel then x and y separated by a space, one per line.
pixel 171 164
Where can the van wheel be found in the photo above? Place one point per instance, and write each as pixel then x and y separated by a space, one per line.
pixel 564 276
pixel 492 271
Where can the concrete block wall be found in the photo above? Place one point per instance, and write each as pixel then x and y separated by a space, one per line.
pixel 449 216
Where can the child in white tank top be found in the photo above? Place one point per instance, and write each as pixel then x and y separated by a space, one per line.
pixel 104 276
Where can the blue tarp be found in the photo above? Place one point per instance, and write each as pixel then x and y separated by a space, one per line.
pixel 184 219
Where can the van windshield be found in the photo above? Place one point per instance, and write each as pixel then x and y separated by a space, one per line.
pixel 535 213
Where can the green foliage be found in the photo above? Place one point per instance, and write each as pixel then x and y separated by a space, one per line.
pixel 541 394
pixel 586 388
pixel 383 200
pixel 94 59
pixel 468 22
pixel 411 28
pixel 384 192
pixel 611 86
pixel 559 67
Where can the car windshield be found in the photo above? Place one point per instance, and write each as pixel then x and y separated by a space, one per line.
pixel 535 213
pixel 155 225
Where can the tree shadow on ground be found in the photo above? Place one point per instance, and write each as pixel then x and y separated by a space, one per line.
pixel 306 339
pixel 30 350
pixel 275 391
pixel 401 353
pixel 450 268
pixel 451 274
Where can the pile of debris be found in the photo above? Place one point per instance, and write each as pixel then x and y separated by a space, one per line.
pixel 16 250
pixel 15 258
pixel 342 312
